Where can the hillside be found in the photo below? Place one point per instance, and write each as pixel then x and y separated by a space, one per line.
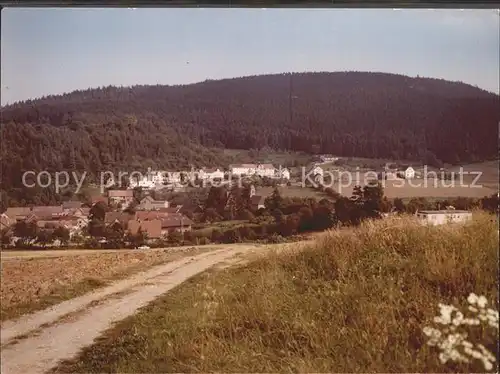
pixel 347 113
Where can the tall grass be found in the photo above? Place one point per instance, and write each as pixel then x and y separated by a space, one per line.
pixel 353 301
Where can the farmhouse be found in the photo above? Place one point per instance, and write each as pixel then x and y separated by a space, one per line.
pixel 317 171
pixel 257 202
pixel 148 203
pixel 177 222
pixel 94 199
pixel 409 173
pixel 18 214
pixel 282 173
pixel 68 205
pixel 440 217
pixel 121 196
pixel 210 174
pixel 262 170
pixel 151 228
pixel 121 217
pixel 327 158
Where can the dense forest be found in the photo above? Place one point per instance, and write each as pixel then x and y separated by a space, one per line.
pixel 359 114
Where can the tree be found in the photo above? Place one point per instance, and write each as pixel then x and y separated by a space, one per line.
pixel 217 199
pixel 44 237
pixel 175 237
pixel 275 201
pixel 96 228
pixel 114 232
pixel 323 218
pixel 216 235
pixel 399 205
pixel 27 231
pixel 211 215
pixel 305 218
pixel 290 225
pixel 235 202
pixel 136 240
pixel 61 233
pixel 5 236
pixel 98 211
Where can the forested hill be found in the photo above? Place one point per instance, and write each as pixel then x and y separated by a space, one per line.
pixel 348 114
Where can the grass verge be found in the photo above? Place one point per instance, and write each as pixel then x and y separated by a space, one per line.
pixel 353 301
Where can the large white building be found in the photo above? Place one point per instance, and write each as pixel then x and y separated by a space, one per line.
pixel 441 217
pixel 210 174
pixel 282 173
pixel 262 170
pixel 148 180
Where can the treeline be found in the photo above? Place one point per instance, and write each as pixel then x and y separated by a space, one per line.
pixel 370 115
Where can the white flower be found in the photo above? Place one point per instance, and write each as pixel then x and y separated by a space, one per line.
pixel 472 299
pixel 451 340
pixel 472 309
pixel 482 301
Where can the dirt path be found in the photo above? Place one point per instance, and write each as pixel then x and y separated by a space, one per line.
pixel 48 337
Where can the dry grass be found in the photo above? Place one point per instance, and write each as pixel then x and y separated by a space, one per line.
pixel 33 284
pixel 353 301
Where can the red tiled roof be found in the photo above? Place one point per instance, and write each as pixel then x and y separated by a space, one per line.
pixel 152 228
pixel 256 199
pixel 17 211
pixel 71 204
pixel 122 217
pixel 121 193
pixel 97 198
pixel 145 215
pixel 47 210
pixel 176 221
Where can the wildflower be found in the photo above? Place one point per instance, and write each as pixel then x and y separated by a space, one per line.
pixel 482 301
pixel 451 338
pixel 472 299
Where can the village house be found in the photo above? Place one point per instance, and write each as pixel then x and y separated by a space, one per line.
pixel 440 217
pixel 177 222
pixel 45 211
pixel 121 217
pixel 409 173
pixel 121 196
pixel 282 173
pixel 152 228
pixel 149 215
pixel 327 158
pixel 94 199
pixel 5 221
pixel 262 170
pixel 174 177
pixel 210 174
pixel 18 213
pixel 68 205
pixel 148 203
pixel 316 170
pixel 257 202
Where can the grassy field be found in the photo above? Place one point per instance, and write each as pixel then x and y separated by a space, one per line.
pixel 486 185
pixel 292 191
pixel 354 300
pixel 35 283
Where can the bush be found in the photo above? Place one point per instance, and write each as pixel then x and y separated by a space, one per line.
pixel 276 239
pixel 216 235
pixel 203 240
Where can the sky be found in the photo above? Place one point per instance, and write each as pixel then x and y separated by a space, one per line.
pixel 55 50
